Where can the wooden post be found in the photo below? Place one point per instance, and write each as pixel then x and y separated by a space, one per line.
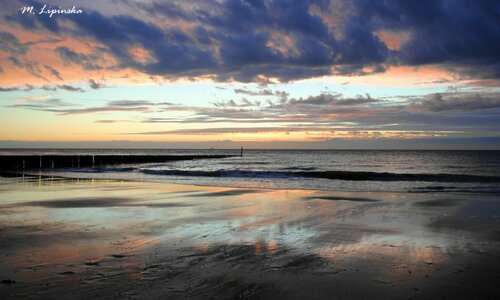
pixel 241 153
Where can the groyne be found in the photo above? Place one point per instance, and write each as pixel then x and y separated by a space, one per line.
pixel 29 162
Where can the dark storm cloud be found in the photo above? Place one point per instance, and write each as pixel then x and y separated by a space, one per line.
pixel 120 33
pixel 29 23
pixel 230 40
pixel 286 39
pixel 459 33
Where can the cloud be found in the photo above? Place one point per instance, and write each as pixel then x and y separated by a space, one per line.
pixel 30 66
pixel 87 61
pixel 137 103
pixel 319 109
pixel 9 89
pixel 10 44
pixel 261 92
pixel 303 105
pixel 456 33
pixel 332 99
pixel 452 111
pixel 95 85
pixel 285 40
pixel 111 106
pixel 65 87
pixel 243 102
pixel 222 43
pixel 456 102
pixel 110 121
pixel 54 72
pixel 232 130
pixel 25 88
pixel 70 88
pixel 460 112
pixel 46 87
pixel 15 61
pixel 40 104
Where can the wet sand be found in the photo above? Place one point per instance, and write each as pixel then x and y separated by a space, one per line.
pixel 90 239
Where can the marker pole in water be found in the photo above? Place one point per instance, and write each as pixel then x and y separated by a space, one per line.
pixel 241 153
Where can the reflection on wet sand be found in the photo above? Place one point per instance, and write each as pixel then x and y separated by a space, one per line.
pixel 110 239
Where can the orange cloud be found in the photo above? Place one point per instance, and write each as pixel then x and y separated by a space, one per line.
pixel 393 39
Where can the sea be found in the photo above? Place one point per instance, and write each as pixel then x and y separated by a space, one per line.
pixel 418 171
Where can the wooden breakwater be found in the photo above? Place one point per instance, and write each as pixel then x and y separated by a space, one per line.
pixel 30 162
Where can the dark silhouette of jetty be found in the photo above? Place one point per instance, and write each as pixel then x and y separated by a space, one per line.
pixel 26 162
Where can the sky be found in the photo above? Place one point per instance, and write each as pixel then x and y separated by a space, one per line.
pixel 317 74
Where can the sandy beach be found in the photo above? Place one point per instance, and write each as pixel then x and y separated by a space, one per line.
pixel 90 239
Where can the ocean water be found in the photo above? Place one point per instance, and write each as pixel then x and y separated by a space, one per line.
pixel 344 170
